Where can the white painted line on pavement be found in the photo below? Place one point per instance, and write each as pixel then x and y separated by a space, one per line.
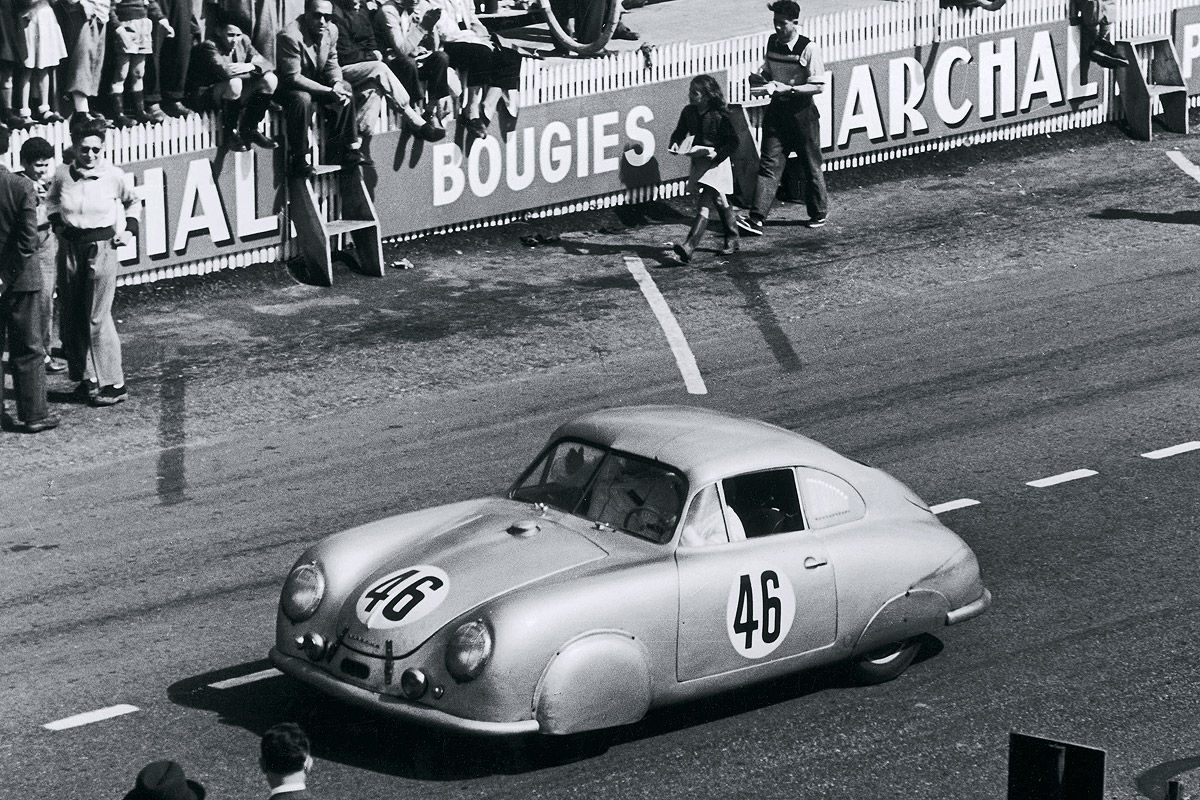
pixel 1184 164
pixel 1073 475
pixel 89 717
pixel 1173 450
pixel 679 346
pixel 230 683
pixel 952 505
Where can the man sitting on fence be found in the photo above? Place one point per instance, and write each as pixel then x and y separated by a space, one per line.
pixel 362 65
pixel 228 74
pixel 407 29
pixel 309 76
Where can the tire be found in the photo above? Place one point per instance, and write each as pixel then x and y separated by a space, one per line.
pixel 612 13
pixel 884 663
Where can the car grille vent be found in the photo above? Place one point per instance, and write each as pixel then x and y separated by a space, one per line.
pixel 355 669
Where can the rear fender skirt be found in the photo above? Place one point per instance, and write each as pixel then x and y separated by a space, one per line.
pixel 597 680
pixel 904 616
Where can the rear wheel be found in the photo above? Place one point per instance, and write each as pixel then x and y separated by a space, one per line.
pixel 884 663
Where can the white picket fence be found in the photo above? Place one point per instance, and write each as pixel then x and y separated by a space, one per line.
pixel 852 34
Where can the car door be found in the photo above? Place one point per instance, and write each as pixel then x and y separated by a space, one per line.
pixel 761 592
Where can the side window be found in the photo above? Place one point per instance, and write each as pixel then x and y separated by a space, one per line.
pixel 764 502
pixel 829 500
pixel 704 524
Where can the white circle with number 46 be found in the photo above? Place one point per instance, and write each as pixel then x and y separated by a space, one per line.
pixel 402 596
pixel 759 614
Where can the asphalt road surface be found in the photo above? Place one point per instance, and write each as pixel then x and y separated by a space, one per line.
pixel 972 322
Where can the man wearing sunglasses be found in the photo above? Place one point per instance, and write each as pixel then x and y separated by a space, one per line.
pixel 311 77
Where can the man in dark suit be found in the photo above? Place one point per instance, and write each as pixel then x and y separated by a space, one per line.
pixel 310 76
pixel 20 306
pixel 286 759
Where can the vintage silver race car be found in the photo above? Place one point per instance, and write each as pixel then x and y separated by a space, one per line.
pixel 649 555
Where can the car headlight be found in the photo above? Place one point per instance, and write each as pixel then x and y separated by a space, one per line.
pixel 468 651
pixel 302 592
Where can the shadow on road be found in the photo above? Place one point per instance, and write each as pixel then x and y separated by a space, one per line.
pixel 1174 218
pixel 1153 782
pixel 348 735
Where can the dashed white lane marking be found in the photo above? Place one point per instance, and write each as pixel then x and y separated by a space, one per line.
pixel 679 346
pixel 1184 164
pixel 244 679
pixel 1053 480
pixel 1173 450
pixel 89 717
pixel 952 505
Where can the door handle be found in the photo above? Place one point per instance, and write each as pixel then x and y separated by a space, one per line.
pixel 813 563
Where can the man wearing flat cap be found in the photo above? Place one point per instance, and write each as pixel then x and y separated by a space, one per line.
pixel 164 780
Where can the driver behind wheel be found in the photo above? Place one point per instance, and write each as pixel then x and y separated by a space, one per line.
pixel 636 496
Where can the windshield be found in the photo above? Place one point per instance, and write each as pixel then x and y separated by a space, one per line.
pixel 624 492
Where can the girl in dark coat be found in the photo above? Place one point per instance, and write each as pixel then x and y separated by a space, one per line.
pixel 707 136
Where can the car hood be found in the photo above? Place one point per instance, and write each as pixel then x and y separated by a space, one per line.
pixel 435 573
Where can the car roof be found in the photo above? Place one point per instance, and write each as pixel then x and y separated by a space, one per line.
pixel 705 445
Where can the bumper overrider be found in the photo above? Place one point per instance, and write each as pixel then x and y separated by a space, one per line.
pixel 391 705
pixel 970 610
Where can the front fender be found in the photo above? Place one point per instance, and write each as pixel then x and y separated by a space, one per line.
pixel 599 679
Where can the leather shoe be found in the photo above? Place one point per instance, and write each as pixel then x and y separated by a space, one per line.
pixel 623 31
pixel 262 140
pixel 234 142
pixel 173 108
pixel 352 158
pixel 39 425
pixel 477 127
pixel 430 132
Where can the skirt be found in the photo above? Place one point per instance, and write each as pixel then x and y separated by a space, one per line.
pixel 12 43
pixel 719 177
pixel 134 36
pixel 44 45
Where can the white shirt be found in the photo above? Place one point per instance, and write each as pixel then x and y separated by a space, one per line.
pixel 293 786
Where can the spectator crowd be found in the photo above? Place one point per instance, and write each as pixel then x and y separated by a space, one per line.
pixel 140 61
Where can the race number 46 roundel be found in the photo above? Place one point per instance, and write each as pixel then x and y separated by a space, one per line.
pixel 403 596
pixel 759 614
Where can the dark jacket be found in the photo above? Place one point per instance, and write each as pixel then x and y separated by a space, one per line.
pixel 305 64
pixel 712 128
pixel 210 66
pixel 356 35
pixel 19 270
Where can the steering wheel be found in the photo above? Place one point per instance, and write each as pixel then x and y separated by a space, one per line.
pixel 612 13
pixel 644 518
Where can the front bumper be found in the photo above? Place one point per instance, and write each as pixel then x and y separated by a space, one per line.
pixel 396 707
pixel 970 610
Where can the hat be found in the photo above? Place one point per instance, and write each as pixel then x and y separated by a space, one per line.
pixel 164 780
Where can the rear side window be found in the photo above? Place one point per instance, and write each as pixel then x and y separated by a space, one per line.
pixel 829 500
pixel 764 502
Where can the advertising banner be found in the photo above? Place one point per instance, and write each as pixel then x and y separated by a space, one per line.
pixel 954 87
pixel 557 153
pixel 1187 45
pixel 200 205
